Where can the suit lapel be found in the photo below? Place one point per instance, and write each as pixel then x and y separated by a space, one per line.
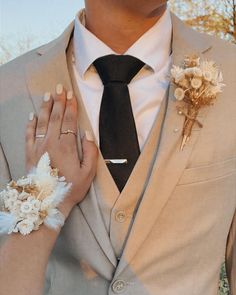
pixel 170 161
pixel 44 73
pixel 42 76
pixel 102 180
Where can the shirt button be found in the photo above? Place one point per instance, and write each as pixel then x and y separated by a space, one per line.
pixel 120 216
pixel 119 286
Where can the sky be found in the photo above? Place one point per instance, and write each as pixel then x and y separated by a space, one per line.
pixel 42 20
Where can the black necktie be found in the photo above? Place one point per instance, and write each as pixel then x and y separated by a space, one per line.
pixel 117 131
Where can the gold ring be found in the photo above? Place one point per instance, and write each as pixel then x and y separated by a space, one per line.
pixel 69 131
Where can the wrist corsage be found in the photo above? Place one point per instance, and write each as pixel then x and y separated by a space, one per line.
pixel 32 200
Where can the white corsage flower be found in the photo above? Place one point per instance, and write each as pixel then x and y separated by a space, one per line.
pixel 179 94
pixel 25 226
pixel 196 83
pixel 33 200
pixel 26 207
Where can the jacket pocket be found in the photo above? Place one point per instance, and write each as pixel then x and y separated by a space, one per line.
pixel 210 172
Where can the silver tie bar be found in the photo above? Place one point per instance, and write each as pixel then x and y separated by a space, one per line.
pixel 116 161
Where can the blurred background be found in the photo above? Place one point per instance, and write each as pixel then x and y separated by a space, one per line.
pixel 26 24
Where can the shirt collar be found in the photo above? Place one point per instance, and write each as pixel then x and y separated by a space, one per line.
pixel 87 47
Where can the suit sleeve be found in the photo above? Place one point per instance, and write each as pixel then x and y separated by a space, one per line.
pixel 231 257
pixel 5 176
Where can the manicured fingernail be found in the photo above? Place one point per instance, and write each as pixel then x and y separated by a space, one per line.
pixel 88 135
pixel 69 95
pixel 31 116
pixel 59 89
pixel 47 96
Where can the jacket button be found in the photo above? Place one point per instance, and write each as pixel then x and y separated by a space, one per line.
pixel 120 216
pixel 119 286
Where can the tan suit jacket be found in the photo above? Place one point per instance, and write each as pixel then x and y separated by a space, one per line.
pixel 185 225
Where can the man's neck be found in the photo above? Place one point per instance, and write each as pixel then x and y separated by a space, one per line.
pixel 118 28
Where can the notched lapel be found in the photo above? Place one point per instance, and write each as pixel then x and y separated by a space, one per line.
pixel 89 206
pixel 48 69
pixel 170 161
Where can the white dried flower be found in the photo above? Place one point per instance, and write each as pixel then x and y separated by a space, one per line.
pixel 23 196
pixel 220 77
pixel 197 72
pixel 196 83
pixel 217 80
pixel 25 226
pixel 214 90
pixel 36 204
pixel 33 216
pixel 209 70
pixel 24 181
pixel 177 73
pixel 197 60
pixel 192 61
pixel 26 207
pixel 16 207
pixel 188 72
pixel 9 203
pixel 10 194
pixel 179 94
pixel 46 203
pixel 207 76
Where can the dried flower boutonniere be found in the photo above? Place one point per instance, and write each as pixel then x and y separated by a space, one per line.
pixel 198 83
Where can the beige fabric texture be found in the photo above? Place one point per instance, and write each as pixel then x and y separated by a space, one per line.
pixel 184 226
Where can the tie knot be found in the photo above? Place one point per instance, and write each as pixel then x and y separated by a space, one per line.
pixel 117 68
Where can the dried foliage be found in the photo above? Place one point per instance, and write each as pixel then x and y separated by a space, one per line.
pixel 211 16
pixel 9 49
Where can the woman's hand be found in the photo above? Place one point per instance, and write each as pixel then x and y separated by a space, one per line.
pixel 31 253
pixel 59 114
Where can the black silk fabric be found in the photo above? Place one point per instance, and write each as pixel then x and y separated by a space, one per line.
pixel 117 130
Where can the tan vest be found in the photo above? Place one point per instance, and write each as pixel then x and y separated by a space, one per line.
pixel 118 209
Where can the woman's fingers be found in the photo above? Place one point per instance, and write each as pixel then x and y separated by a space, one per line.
pixel 44 115
pixel 30 130
pixel 30 139
pixel 90 154
pixel 69 123
pixel 55 122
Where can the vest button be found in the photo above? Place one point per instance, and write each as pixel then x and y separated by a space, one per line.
pixel 120 216
pixel 119 286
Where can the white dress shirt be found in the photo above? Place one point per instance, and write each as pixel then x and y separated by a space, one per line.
pixel 148 88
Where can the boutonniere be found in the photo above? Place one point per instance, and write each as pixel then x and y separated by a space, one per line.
pixel 197 84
